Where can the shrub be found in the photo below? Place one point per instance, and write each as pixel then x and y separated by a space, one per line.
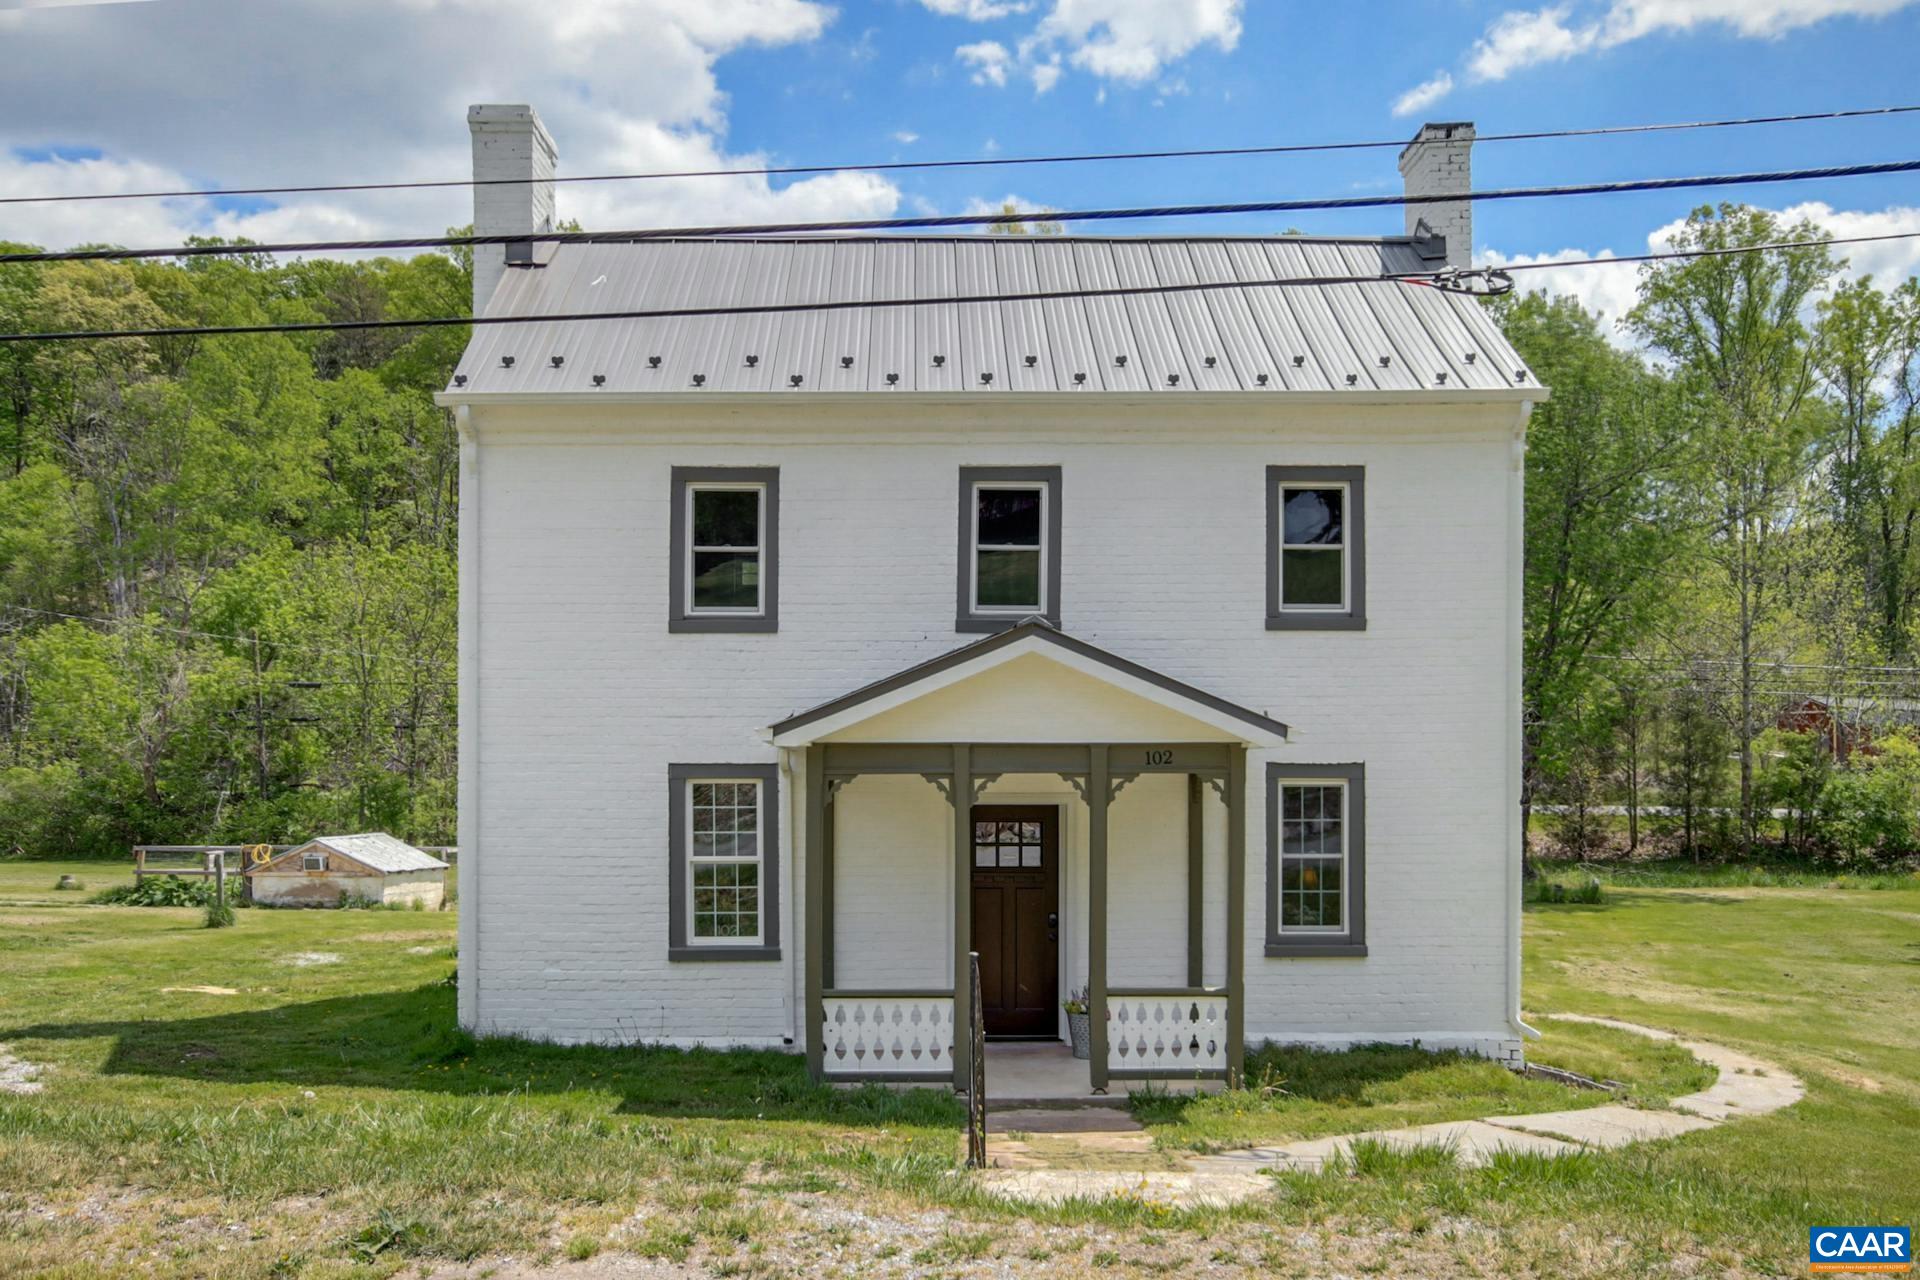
pixel 219 915
pixel 167 891
pixel 1588 893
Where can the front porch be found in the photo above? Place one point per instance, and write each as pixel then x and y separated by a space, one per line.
pixel 1033 857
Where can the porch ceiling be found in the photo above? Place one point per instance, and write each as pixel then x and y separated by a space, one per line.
pixel 1031 683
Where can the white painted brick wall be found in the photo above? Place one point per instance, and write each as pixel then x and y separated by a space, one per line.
pixel 584 698
pixel 1439 161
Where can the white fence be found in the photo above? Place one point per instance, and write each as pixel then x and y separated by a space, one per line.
pixel 1167 1032
pixel 894 1033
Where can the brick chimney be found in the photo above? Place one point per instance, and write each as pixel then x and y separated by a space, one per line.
pixel 1439 162
pixel 508 142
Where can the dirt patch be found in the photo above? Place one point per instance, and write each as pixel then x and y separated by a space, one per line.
pixel 308 959
pixel 407 935
pixel 201 991
pixel 18 1075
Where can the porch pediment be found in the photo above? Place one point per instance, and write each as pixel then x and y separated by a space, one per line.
pixel 1031 683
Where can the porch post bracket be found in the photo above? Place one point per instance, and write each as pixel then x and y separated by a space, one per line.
pixel 1078 781
pixel 1219 785
pixel 834 784
pixel 940 782
pixel 981 781
pixel 1120 780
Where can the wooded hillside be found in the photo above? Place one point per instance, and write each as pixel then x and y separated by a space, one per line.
pixel 227 600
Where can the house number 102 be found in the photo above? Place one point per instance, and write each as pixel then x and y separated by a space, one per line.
pixel 1161 756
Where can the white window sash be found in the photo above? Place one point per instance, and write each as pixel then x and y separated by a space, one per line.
pixel 1280 865
pixel 731 860
pixel 973 559
pixel 758 548
pixel 1346 559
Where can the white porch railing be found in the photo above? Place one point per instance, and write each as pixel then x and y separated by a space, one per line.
pixel 887 1033
pixel 1172 1032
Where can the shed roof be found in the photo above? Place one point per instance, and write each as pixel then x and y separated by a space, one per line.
pixel 376 850
pixel 1241 336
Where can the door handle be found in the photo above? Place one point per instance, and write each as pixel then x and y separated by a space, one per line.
pixel 1053 919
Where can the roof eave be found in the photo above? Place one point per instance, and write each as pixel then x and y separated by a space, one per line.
pixel 1435 395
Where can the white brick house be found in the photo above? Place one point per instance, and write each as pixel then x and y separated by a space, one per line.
pixel 1164 643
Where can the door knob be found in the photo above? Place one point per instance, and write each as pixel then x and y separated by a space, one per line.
pixel 1053 919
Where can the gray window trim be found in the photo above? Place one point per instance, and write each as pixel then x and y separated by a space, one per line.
pixel 1353 941
pixel 1354 616
pixel 679 946
pixel 768 619
pixel 965 616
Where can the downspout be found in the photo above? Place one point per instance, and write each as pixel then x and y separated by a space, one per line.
pixel 467 801
pixel 790 915
pixel 1516 656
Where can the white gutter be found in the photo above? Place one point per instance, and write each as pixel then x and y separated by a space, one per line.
pixel 467 799
pixel 1516 655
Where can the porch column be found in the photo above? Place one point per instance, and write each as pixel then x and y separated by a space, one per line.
pixel 816 928
pixel 1236 916
pixel 829 915
pixel 962 791
pixel 1196 879
pixel 1098 793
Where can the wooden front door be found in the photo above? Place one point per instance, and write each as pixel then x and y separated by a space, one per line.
pixel 1016 917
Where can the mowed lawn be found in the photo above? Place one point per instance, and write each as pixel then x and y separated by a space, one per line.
pixel 290 1097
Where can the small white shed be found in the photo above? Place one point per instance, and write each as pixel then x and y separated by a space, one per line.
pixel 370 867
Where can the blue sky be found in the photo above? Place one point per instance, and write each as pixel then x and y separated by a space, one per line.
pixel 228 92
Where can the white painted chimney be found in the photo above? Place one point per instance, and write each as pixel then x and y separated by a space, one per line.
pixel 1439 162
pixel 509 142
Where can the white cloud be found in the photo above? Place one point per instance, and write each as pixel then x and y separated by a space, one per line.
pixel 375 89
pixel 905 137
pixel 1610 291
pixel 1525 38
pixel 989 59
pixel 1129 41
pixel 976 10
pixel 1423 95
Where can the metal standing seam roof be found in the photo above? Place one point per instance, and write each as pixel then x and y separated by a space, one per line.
pixel 377 851
pixel 1386 335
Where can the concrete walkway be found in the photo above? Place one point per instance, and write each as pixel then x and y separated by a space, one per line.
pixel 1070 1161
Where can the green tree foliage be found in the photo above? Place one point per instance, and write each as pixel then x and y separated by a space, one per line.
pixel 226 563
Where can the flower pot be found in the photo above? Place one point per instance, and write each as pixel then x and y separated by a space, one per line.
pixel 1080 1029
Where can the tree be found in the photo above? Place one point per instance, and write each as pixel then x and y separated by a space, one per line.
pixel 1732 325
pixel 1600 523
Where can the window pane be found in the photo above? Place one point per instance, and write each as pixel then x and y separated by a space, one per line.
pixel 1008 579
pixel 1030 855
pixel 985 855
pixel 1009 517
pixel 1313 516
pixel 1010 855
pixel 726 580
pixel 1312 577
pixel 726 517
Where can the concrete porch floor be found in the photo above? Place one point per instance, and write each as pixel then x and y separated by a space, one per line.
pixel 1046 1074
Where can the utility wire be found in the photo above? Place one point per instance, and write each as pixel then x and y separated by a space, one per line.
pixel 1422 279
pixel 978 219
pixel 896 166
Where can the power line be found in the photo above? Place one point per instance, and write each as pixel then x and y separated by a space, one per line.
pixel 978 219
pixel 1425 279
pixel 896 166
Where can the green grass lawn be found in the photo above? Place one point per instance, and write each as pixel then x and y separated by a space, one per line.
pixel 290 1097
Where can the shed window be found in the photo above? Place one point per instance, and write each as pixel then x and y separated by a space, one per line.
pixel 1316 563
pixel 725 543
pixel 725 867
pixel 1009 546
pixel 1316 860
pixel 313 862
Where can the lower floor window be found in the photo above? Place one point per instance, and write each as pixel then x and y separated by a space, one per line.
pixel 1312 855
pixel 1316 860
pixel 725 863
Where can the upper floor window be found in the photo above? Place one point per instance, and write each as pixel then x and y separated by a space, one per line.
pixel 1316 562
pixel 726 524
pixel 1009 546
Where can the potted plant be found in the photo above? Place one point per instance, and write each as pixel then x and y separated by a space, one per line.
pixel 1079 1028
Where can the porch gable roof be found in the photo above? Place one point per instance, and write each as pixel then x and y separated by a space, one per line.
pixel 1031 636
